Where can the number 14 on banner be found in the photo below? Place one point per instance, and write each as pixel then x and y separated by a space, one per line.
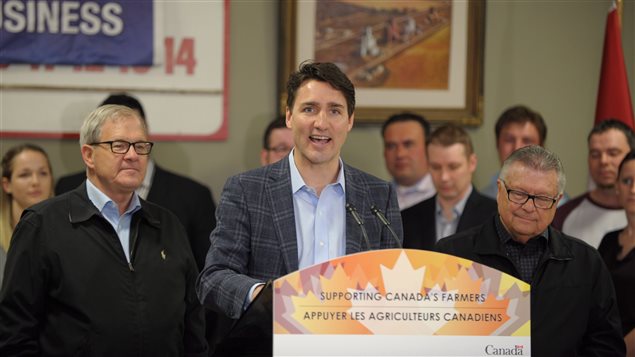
pixel 178 53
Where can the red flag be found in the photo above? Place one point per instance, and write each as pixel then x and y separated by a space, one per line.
pixel 614 97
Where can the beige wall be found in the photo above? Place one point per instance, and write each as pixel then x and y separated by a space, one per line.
pixel 543 54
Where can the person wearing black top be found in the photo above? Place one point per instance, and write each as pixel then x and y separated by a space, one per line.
pixel 617 250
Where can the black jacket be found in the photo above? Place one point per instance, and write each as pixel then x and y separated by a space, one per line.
pixel 190 201
pixel 573 305
pixel 419 221
pixel 69 291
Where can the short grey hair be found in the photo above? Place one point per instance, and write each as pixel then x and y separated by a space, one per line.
pixel 90 131
pixel 537 158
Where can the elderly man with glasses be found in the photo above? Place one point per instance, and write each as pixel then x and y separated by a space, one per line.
pixel 98 271
pixel 573 304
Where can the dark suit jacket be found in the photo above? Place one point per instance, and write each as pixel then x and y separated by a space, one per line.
pixel 255 238
pixel 190 201
pixel 573 305
pixel 419 221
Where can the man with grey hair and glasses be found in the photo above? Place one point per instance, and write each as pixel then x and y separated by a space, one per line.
pixel 573 304
pixel 98 271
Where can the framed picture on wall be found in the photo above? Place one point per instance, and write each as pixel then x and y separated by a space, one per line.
pixel 420 56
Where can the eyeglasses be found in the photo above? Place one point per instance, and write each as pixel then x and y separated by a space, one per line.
pixel 122 147
pixel 280 149
pixel 521 198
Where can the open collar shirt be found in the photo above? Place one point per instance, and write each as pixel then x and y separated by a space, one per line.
pixel 110 211
pixel 320 221
pixel 446 227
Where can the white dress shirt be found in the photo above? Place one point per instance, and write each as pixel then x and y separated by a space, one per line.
pixel 408 196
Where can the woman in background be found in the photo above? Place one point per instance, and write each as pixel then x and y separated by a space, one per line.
pixel 618 253
pixel 26 180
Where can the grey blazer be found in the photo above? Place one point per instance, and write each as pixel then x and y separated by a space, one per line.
pixel 255 238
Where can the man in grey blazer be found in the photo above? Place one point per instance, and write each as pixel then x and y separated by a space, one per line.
pixel 303 209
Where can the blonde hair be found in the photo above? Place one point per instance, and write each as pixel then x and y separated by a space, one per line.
pixel 6 213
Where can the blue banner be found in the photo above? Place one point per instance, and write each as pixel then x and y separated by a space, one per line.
pixel 98 32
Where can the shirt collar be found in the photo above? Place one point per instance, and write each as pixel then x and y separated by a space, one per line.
pixel 297 182
pixel 100 200
pixel 422 185
pixel 459 207
pixel 505 236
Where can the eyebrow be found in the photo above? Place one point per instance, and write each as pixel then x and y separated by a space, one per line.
pixel 533 194
pixel 329 104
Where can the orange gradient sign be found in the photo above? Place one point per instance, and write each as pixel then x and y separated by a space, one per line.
pixel 401 292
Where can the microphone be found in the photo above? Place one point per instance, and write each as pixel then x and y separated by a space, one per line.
pixel 353 211
pixel 385 222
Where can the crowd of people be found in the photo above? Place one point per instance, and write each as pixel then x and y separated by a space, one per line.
pixel 129 257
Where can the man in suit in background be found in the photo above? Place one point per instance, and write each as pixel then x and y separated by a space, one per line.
pixel 190 201
pixel 277 142
pixel 573 304
pixel 292 214
pixel 457 205
pixel 405 137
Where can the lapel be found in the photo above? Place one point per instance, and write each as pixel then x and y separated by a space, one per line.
pixel 355 194
pixel 278 193
pixel 429 230
pixel 466 217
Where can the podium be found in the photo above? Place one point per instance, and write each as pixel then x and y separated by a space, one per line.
pixel 394 302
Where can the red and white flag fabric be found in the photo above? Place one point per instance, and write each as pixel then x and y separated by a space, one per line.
pixel 614 97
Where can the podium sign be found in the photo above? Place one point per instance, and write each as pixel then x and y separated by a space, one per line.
pixel 400 302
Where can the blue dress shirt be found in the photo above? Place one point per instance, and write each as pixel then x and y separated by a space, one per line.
pixel 445 227
pixel 110 212
pixel 320 222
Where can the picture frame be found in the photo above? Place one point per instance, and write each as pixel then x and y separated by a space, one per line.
pixel 460 102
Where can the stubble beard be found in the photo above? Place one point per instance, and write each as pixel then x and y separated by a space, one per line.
pixel 606 186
